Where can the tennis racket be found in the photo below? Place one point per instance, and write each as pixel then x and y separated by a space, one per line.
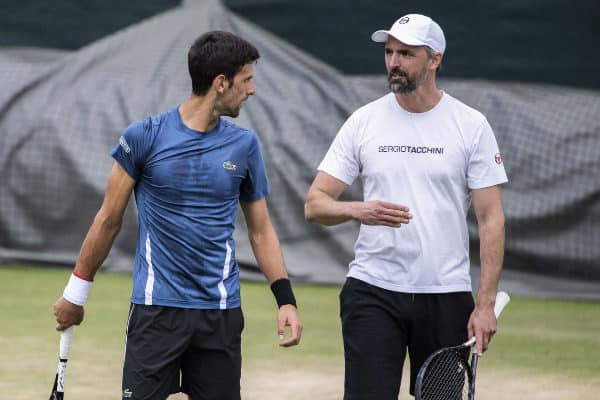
pixel 446 374
pixel 58 390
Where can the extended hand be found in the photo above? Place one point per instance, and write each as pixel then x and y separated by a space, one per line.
pixel 383 213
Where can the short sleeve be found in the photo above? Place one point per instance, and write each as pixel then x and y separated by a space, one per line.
pixel 486 167
pixel 255 185
pixel 129 151
pixel 341 160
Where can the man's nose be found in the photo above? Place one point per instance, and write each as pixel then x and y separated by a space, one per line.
pixel 395 60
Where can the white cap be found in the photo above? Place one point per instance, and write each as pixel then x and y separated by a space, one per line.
pixel 415 30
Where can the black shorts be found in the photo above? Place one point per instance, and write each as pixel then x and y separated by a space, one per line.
pixel 379 326
pixel 169 350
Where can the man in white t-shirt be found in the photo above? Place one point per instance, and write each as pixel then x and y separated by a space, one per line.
pixel 423 157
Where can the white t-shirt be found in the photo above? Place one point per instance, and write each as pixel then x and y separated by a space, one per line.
pixel 428 162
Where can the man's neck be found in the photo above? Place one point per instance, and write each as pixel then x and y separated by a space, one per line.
pixel 198 113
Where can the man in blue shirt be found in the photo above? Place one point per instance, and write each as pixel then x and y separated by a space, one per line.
pixel 188 168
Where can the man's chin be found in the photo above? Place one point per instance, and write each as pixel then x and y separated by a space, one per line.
pixel 232 113
pixel 398 88
pixel 398 82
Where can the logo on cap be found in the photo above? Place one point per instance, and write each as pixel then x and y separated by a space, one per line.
pixel 498 158
pixel 403 20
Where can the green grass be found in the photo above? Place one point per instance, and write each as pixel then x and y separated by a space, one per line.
pixel 535 336
pixel 318 308
pixel 27 296
pixel 550 336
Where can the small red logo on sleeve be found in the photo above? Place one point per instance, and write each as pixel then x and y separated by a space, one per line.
pixel 498 158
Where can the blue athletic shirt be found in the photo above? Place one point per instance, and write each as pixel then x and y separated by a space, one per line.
pixel 188 184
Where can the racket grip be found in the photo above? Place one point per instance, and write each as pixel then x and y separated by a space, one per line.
pixel 502 300
pixel 65 343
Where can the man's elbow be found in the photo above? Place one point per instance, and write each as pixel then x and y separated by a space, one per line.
pixel 108 223
pixel 493 220
pixel 309 212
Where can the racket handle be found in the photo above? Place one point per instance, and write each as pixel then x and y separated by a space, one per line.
pixel 65 343
pixel 502 300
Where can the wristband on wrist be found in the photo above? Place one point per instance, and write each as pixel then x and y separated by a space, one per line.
pixel 282 290
pixel 77 290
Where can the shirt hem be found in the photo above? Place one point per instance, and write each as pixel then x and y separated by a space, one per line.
pixel 441 288
pixel 199 305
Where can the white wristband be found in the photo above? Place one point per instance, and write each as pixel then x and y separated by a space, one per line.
pixel 77 290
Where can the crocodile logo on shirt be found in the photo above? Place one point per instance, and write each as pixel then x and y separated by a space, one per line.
pixel 228 165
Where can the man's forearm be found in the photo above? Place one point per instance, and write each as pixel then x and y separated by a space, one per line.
pixel 327 211
pixel 268 254
pixel 491 241
pixel 96 246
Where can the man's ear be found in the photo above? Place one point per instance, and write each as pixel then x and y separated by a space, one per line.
pixel 436 60
pixel 219 83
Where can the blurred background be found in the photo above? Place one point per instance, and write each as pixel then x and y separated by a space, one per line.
pixel 75 74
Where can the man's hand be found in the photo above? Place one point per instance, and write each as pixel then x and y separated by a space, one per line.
pixel 67 314
pixel 288 316
pixel 482 326
pixel 382 213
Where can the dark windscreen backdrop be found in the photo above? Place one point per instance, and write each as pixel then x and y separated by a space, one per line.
pixel 70 24
pixel 548 41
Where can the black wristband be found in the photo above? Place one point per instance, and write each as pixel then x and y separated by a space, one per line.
pixel 282 290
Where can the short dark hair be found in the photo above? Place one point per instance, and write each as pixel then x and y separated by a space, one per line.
pixel 215 53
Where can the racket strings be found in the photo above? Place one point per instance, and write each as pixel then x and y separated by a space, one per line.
pixel 446 377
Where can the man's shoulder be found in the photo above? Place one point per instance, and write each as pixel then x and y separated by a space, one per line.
pixel 159 119
pixel 231 128
pixel 148 124
pixel 465 110
pixel 227 124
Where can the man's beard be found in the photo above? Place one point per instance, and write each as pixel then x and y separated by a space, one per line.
pixel 232 112
pixel 406 85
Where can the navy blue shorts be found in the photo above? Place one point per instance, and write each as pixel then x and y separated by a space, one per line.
pixel 379 326
pixel 169 350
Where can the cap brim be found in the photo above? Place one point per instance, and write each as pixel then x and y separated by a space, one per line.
pixel 382 37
